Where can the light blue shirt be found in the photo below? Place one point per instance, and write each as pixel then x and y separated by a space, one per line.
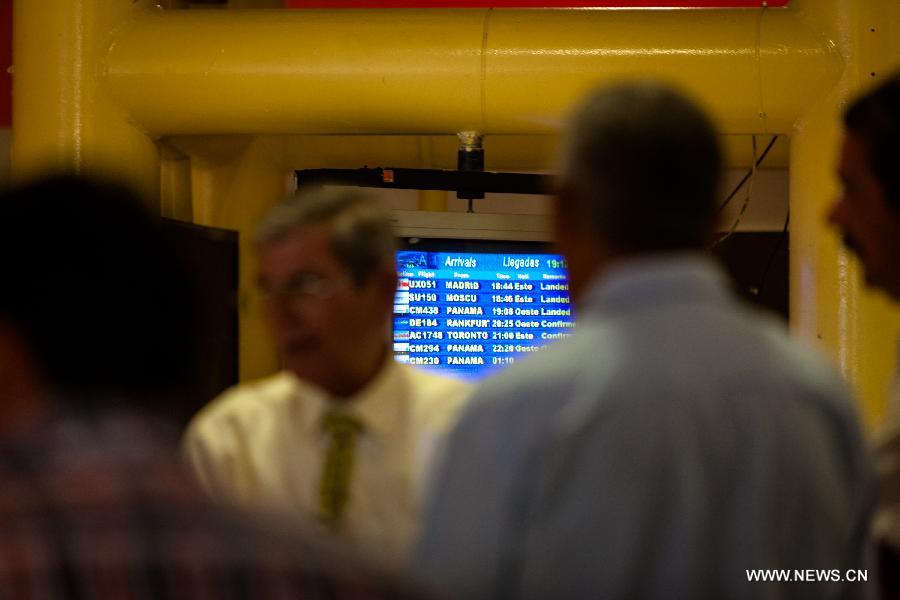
pixel 675 441
pixel 886 524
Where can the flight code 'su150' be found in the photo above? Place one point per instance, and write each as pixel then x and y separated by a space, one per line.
pixel 470 298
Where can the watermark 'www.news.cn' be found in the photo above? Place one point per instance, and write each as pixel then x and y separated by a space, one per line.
pixel 808 575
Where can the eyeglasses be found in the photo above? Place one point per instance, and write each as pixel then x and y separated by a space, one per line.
pixel 300 288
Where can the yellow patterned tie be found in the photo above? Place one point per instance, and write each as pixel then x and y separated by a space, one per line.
pixel 334 487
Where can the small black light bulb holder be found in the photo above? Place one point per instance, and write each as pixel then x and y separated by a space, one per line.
pixel 470 158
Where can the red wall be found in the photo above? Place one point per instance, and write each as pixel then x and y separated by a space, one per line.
pixel 530 3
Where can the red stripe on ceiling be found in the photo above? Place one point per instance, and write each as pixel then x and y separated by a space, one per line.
pixel 5 63
pixel 533 3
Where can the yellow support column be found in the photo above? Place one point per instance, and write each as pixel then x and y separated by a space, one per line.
pixel 234 191
pixel 430 200
pixel 829 302
pixel 175 186
pixel 62 117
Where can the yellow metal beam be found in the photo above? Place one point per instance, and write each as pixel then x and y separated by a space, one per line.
pixel 233 190
pixel 62 117
pixel 430 200
pixel 175 185
pixel 502 152
pixel 443 71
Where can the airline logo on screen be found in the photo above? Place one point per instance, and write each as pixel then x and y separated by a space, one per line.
pixel 472 313
pixel 535 3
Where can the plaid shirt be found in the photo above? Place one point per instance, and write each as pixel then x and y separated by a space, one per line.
pixel 101 508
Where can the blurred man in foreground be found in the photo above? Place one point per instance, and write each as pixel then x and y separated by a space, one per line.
pixel 344 432
pixel 96 341
pixel 868 215
pixel 678 442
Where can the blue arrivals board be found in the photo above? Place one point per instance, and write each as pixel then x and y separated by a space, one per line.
pixel 470 313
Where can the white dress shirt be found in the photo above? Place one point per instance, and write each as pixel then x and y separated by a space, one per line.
pixel 261 445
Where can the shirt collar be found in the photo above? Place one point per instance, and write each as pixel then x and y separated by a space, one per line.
pixel 377 405
pixel 657 279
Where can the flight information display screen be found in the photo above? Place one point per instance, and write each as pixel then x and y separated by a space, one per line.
pixel 469 313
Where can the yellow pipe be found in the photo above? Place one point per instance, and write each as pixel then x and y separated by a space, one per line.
pixel 62 119
pixel 443 71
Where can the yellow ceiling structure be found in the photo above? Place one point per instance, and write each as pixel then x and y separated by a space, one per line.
pixel 214 108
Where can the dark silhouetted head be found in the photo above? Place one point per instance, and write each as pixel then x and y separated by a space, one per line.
pixel 91 286
pixel 642 167
pixel 875 119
